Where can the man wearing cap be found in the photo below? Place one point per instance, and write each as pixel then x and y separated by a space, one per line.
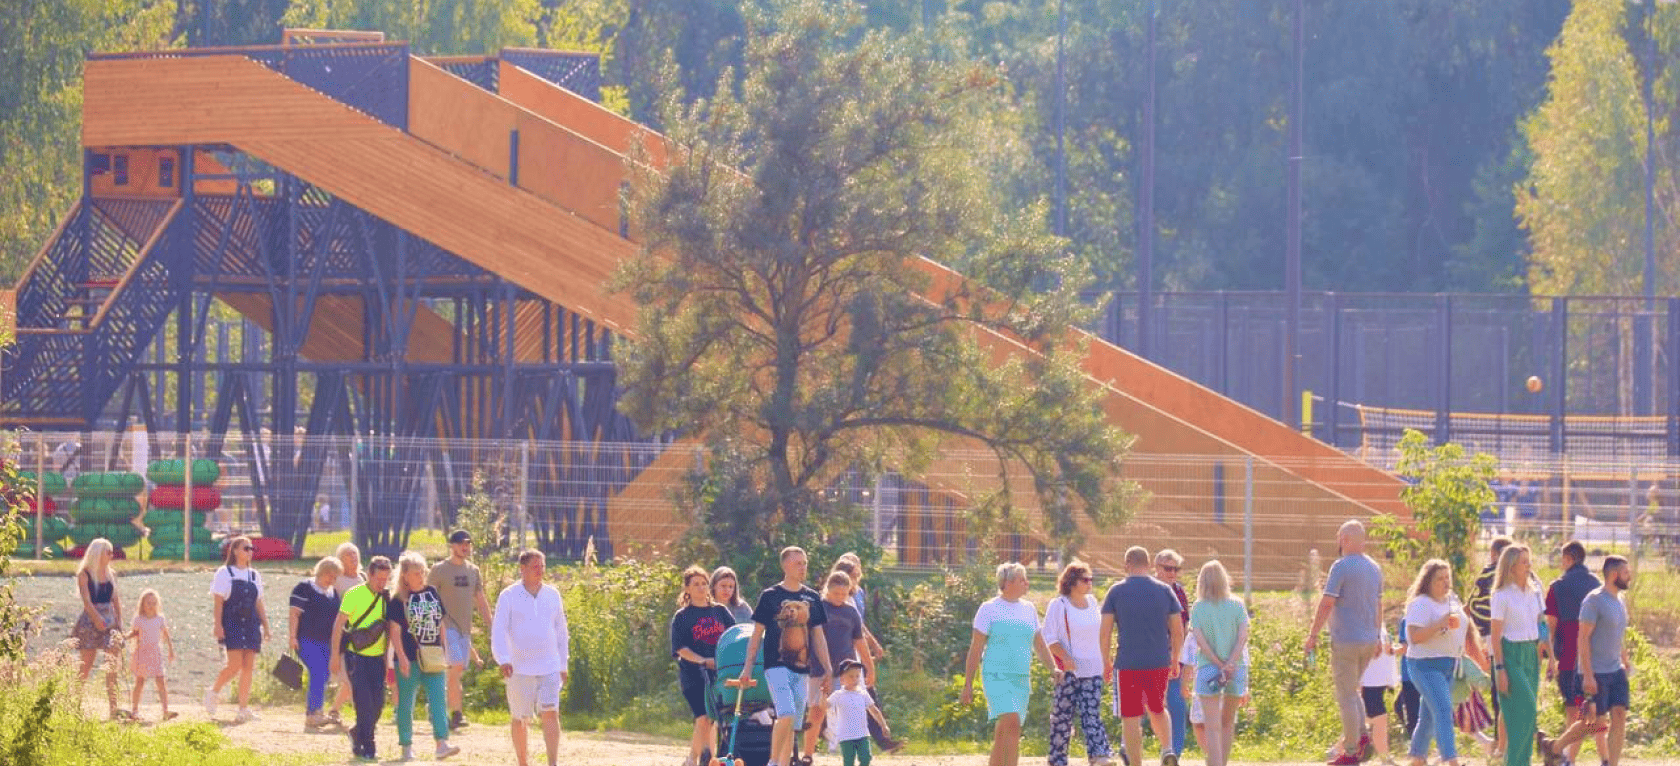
pixel 461 588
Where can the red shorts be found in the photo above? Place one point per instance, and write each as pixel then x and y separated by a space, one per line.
pixel 1137 690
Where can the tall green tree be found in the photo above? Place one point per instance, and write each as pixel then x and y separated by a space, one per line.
pixel 432 27
pixel 779 291
pixel 42 47
pixel 1582 203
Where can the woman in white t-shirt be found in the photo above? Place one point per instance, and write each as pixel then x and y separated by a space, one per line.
pixel 1436 638
pixel 1072 622
pixel 241 623
pixel 1516 609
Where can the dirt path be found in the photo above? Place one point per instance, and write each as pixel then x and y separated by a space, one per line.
pixel 281 732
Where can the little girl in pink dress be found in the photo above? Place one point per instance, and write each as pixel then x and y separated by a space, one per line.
pixel 151 634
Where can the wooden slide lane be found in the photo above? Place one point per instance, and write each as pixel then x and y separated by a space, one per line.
pixel 391 174
pixel 1171 414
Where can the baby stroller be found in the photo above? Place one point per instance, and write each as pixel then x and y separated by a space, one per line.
pixel 742 734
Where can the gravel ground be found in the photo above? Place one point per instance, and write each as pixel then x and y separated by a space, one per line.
pixel 186 604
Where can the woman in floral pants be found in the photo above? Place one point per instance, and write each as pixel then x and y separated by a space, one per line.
pixel 1071 625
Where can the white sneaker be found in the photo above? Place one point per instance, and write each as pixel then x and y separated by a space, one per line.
pixel 210 702
pixel 245 715
pixel 407 753
pixel 444 750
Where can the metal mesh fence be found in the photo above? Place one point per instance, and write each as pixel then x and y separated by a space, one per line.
pixel 1260 517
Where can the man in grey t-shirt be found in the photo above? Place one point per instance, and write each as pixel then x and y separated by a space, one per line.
pixel 1352 603
pixel 1603 666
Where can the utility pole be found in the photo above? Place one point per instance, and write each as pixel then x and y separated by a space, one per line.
pixel 1643 352
pixel 1146 207
pixel 1061 118
pixel 1292 252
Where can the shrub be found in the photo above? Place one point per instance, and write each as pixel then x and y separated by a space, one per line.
pixel 1449 488
pixel 42 724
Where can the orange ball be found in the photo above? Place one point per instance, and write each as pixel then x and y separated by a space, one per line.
pixel 1534 384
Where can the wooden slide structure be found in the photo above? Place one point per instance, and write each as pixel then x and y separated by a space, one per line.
pixel 547 217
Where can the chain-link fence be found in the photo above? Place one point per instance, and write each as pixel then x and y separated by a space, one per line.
pixel 575 499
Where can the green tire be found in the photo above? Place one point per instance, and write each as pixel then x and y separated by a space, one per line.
pixel 210 551
pixel 54 484
pixel 173 472
pixel 161 518
pixel 109 484
pixel 104 510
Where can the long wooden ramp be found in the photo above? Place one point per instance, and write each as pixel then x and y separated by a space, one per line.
pixel 546 216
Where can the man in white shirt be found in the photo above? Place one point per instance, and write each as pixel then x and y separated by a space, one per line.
pixel 529 639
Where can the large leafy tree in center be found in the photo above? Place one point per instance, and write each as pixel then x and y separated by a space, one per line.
pixel 782 283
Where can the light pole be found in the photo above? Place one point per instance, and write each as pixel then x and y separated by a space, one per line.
pixel 1292 247
pixel 1146 207
pixel 1644 353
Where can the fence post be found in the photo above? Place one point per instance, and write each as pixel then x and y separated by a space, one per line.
pixel 1248 531
pixel 40 491
pixel 524 488
pixel 355 486
pixel 1633 516
pixel 186 497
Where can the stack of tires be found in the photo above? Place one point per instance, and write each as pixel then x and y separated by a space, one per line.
pixel 169 499
pixel 106 507
pixel 44 514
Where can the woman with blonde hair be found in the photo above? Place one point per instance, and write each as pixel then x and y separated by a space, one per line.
pixel 1516 609
pixel 1437 635
pixel 1072 625
pixel 1005 637
pixel 314 607
pixel 241 623
pixel 1219 621
pixel 415 619
pixel 99 628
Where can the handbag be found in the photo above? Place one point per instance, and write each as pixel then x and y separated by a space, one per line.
pixel 365 638
pixel 432 659
pixel 1069 628
pixel 1472 715
pixel 1467 679
pixel 289 671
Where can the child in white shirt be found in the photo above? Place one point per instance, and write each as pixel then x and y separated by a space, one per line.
pixel 850 708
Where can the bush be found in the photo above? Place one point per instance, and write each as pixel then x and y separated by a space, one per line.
pixel 42 724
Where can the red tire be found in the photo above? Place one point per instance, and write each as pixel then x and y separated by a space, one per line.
pixel 204 498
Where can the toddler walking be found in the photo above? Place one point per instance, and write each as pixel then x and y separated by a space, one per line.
pixel 151 635
pixel 850 708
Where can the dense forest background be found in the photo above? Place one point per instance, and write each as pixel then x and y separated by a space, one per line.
pixel 1477 145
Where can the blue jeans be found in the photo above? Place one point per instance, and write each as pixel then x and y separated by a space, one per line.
pixel 1433 679
pixel 318 660
pixel 1178 712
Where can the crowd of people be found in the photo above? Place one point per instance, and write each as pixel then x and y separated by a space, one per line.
pixel 1183 665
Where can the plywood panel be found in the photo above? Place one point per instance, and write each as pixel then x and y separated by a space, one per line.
pixel 578 114
pixel 480 127
pixel 143 169
pixel 335 333
pixel 442 113
pixel 207 100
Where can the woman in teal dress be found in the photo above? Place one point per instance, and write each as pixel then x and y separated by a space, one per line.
pixel 1006 635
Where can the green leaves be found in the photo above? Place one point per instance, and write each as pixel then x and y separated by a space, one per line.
pixel 781 274
pixel 42 46
pixel 1449 489
pixel 1583 200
